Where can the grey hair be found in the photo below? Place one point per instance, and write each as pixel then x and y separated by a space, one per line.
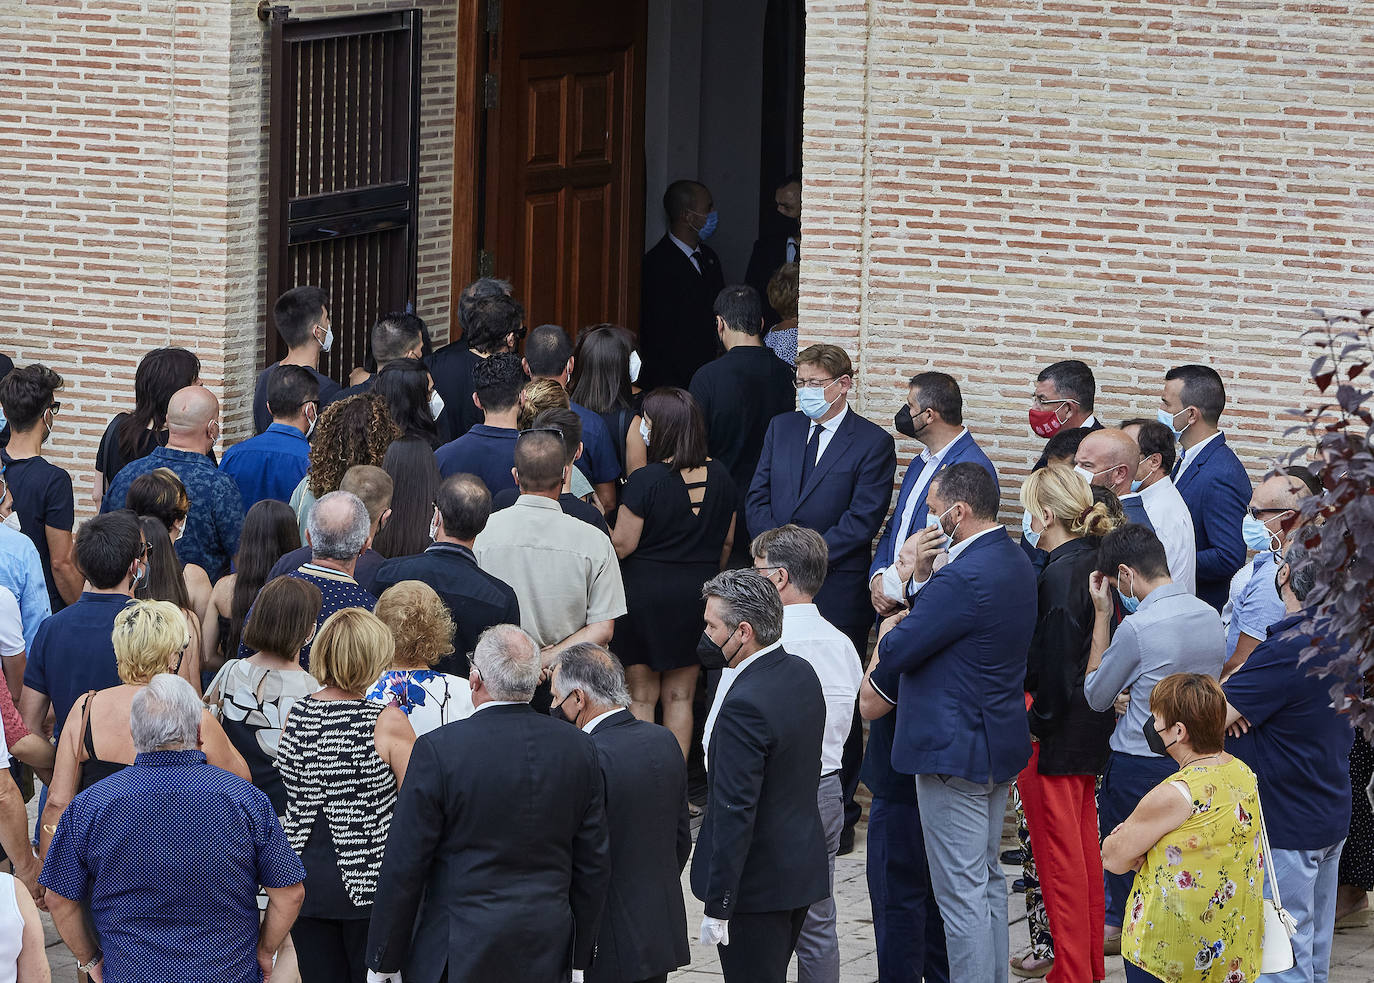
pixel 595 671
pixel 508 659
pixel 1302 571
pixel 165 715
pixel 748 597
pixel 338 526
pixel 801 552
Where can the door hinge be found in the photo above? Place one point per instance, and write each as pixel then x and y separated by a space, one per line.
pixel 493 16
pixel 486 263
pixel 489 91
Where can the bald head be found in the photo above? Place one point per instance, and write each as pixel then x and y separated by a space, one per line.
pixel 192 420
pixel 1111 456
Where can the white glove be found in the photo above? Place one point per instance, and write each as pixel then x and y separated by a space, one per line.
pixel 375 977
pixel 577 976
pixel 715 931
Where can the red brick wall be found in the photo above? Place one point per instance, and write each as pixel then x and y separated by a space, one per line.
pixel 991 186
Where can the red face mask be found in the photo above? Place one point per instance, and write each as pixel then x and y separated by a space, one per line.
pixel 1046 423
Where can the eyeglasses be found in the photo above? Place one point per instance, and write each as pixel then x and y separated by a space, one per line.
pixel 1258 513
pixel 761 569
pixel 806 383
pixel 1042 402
pixel 553 430
pixel 143 550
pixel 56 407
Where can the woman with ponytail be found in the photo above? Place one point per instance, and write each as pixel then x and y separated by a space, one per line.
pixel 1069 739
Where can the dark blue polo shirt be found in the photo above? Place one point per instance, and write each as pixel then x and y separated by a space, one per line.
pixel 882 779
pixel 486 451
pixel 1297 745
pixel 73 653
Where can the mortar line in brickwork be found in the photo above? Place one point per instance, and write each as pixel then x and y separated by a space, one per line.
pixel 865 210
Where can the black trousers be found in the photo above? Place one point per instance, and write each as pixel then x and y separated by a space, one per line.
pixel 761 945
pixel 330 950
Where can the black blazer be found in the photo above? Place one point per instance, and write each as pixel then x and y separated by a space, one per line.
pixel 769 253
pixel 501 828
pixel 761 846
pixel 1073 736
pixel 644 924
pixel 451 369
pixel 677 332
pixel 475 599
pixel 845 501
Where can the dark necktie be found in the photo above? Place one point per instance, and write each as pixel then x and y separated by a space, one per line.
pixel 1178 470
pixel 813 450
pixel 697 261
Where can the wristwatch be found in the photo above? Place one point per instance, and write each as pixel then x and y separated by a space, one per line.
pixel 87 967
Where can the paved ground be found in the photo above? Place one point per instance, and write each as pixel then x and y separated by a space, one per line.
pixel 1352 960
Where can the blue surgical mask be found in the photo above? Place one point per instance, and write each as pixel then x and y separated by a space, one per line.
pixel 811 401
pixel 1128 599
pixel 708 228
pixel 1135 485
pixel 1167 418
pixel 937 522
pixel 1028 534
pixel 1257 535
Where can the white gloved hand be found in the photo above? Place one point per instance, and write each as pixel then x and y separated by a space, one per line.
pixel 577 975
pixel 375 977
pixel 715 931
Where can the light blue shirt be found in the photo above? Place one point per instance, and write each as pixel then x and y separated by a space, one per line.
pixel 1257 606
pixel 1172 631
pixel 21 570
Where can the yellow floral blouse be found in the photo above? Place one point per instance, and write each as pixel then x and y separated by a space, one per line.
pixel 1196 913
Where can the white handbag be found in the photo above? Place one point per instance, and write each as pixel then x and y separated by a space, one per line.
pixel 1279 927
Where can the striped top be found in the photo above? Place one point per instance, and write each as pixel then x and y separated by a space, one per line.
pixel 329 762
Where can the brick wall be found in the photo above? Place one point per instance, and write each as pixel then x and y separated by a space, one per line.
pixel 996 184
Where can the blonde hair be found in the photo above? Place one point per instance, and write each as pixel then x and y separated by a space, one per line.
pixel 540 395
pixel 419 622
pixel 145 637
pixel 352 648
pixel 1069 499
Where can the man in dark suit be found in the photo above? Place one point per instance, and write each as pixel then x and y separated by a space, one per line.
pixel 778 243
pixel 680 279
pixel 644 926
pixel 760 860
pixel 1208 475
pixel 475 599
pixel 961 714
pixel 739 393
pixel 1062 400
pixel 487 328
pixel 507 847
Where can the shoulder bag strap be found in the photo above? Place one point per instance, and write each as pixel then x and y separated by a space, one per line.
pixel 1268 853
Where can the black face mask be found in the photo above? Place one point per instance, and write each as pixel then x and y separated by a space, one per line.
pixel 906 425
pixel 711 655
pixel 558 713
pixel 1154 739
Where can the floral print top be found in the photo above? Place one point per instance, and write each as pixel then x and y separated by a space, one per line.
pixel 429 698
pixel 1196 912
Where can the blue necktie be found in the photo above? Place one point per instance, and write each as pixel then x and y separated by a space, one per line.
pixel 813 451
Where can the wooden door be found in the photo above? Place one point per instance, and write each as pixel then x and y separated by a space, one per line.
pixel 564 183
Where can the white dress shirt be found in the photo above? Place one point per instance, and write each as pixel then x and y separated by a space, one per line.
pixel 1173 524
pixel 954 554
pixel 791 249
pixel 930 463
pixel 727 678
pixel 1190 455
pixel 498 703
pixel 590 725
pixel 828 429
pixel 808 636
pixel 689 251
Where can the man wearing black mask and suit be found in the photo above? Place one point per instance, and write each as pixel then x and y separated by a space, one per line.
pixel 508 848
pixel 761 859
pixel 643 933
pixel 780 244
pixel 680 278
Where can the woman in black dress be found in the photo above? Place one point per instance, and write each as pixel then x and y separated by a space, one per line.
pixel 673 533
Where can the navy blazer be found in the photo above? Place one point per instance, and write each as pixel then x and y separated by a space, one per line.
pixel 1216 489
pixel 844 500
pixel 962 654
pixel 964 448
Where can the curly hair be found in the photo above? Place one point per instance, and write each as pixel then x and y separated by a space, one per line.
pixel 356 430
pixel 419 622
pixel 540 395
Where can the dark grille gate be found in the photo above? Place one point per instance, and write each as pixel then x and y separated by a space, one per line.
pixel 343 172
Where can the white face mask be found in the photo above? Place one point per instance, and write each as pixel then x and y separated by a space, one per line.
pixel 635 365
pixel 434 528
pixel 310 427
pixel 644 430
pixel 328 342
pixel 436 404
pixel 12 521
pixel 178 531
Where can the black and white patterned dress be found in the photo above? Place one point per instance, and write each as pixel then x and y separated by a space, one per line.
pixel 339 793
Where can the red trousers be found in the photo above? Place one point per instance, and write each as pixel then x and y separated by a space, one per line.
pixel 1061 814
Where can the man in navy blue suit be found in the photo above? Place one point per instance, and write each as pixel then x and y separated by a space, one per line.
pixel 825 467
pixel 961 718
pixel 1209 476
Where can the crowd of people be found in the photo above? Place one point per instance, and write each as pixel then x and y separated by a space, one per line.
pixel 302 711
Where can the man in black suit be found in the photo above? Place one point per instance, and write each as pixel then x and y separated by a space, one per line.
pixel 475 599
pixel 760 860
pixel 507 846
pixel 644 927
pixel 486 329
pixel 739 393
pixel 680 279
pixel 780 244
